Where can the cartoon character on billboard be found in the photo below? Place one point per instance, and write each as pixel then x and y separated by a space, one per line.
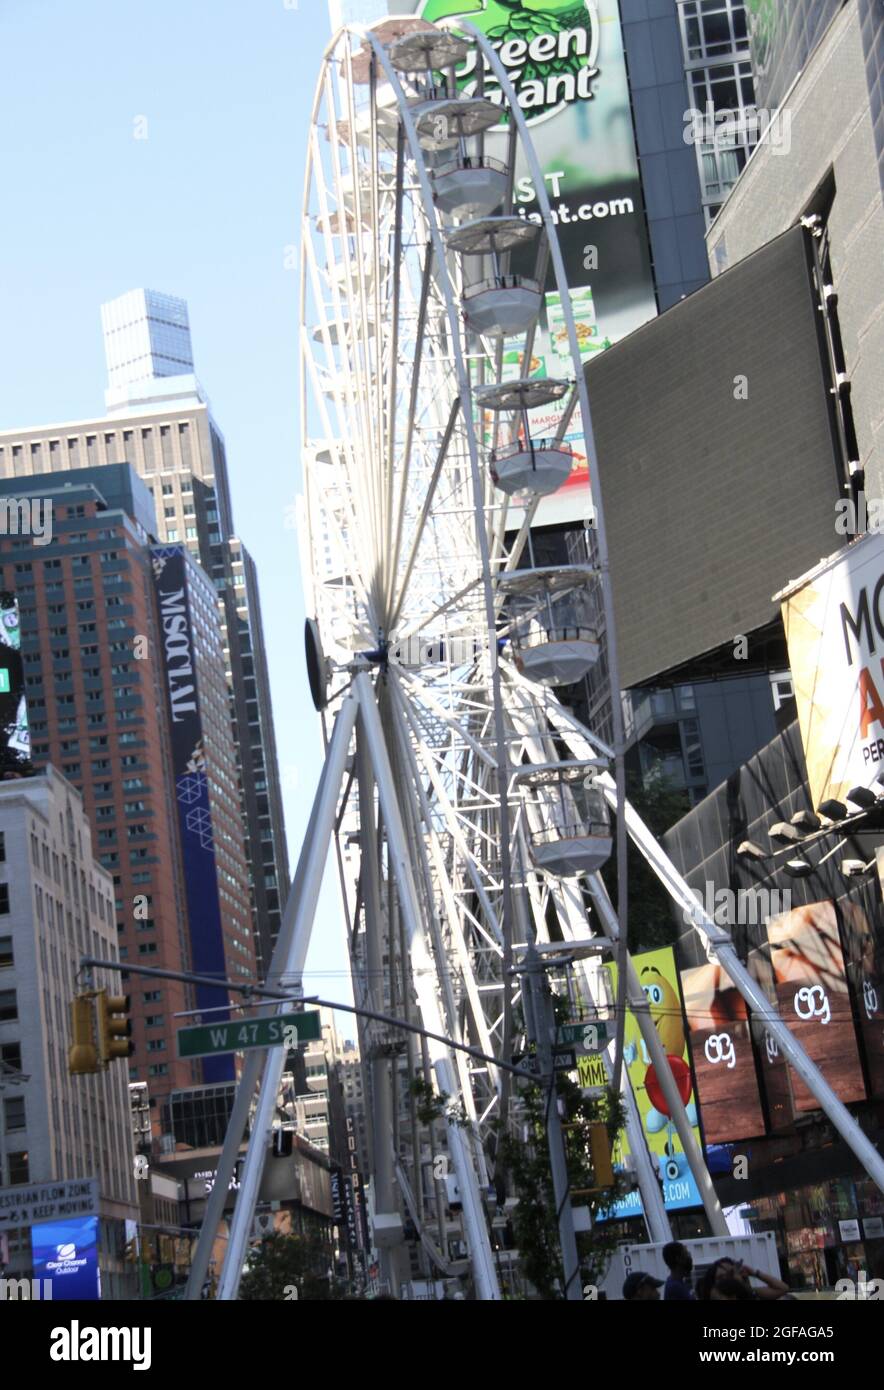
pixel 665 1010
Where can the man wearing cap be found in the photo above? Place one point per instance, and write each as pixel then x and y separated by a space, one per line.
pixel 641 1288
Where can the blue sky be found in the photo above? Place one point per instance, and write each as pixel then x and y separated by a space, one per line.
pixel 206 207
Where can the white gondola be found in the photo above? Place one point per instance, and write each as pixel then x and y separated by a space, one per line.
pixel 554 639
pixel 536 465
pixel 569 825
pixel 443 121
pixel 502 306
pixel 499 304
pixel 423 48
pixel 470 185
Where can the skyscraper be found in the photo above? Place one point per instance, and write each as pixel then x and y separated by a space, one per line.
pixel 146 335
pixel 101 715
pixel 56 905
pixel 162 425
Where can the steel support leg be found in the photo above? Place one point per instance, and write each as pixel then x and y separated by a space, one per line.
pixel 423 969
pixel 305 894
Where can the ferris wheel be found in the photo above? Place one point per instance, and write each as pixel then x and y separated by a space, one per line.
pixel 422 291
pixel 471 810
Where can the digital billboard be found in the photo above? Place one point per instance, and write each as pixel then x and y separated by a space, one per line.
pixel 566 62
pixel 776 1077
pixel 15 738
pixel 834 623
pixel 195 825
pixel 813 998
pixel 724 1061
pixel 864 953
pixel 658 977
pixel 66 1252
pixel 660 450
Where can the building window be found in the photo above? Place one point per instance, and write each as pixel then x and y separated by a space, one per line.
pixel 14 1113
pixel 4 898
pixel 5 952
pixel 19 1171
pixel 8 1006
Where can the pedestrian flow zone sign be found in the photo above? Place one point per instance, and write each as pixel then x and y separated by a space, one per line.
pixel 282 1030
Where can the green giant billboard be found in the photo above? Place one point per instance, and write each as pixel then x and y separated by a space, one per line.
pixel 567 66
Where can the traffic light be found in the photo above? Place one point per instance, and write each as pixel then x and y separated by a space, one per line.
pixel 114 1029
pixel 600 1150
pixel 131 1254
pixel 83 1054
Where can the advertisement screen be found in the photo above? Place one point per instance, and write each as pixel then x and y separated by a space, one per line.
pixel 67 1253
pixel 15 738
pixel 191 786
pixel 776 1079
pixel 566 62
pixel 724 1062
pixel 658 977
pixel 866 977
pixel 813 998
pixel 832 623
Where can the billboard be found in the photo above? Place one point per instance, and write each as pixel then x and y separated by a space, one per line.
pixel 15 738
pixel 567 64
pixel 864 952
pixel 658 977
pixel 196 831
pixel 834 624
pixel 660 450
pixel 776 1077
pixel 724 1062
pixel 813 999
pixel 66 1252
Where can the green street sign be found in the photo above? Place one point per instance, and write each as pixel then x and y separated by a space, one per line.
pixel 289 1030
pixel 587 1038
pixel 4 682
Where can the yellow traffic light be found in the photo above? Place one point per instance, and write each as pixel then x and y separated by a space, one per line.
pixel 600 1150
pixel 83 1054
pixel 113 1029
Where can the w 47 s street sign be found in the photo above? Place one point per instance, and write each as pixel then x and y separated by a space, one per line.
pixel 282 1030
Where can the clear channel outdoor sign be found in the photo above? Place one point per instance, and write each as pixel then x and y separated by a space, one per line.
pixel 566 62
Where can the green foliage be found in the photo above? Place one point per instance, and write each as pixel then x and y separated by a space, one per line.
pixel 283 1263
pixel 432 1106
pixel 534 1221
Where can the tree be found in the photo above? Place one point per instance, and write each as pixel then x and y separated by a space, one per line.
pixel 287 1267
pixel 535 1226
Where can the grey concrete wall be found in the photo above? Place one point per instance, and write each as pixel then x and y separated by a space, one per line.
pixel 831 127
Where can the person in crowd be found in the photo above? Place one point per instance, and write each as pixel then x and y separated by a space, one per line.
pixel 678 1261
pixel 641 1288
pixel 715 1287
pixel 735 1269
